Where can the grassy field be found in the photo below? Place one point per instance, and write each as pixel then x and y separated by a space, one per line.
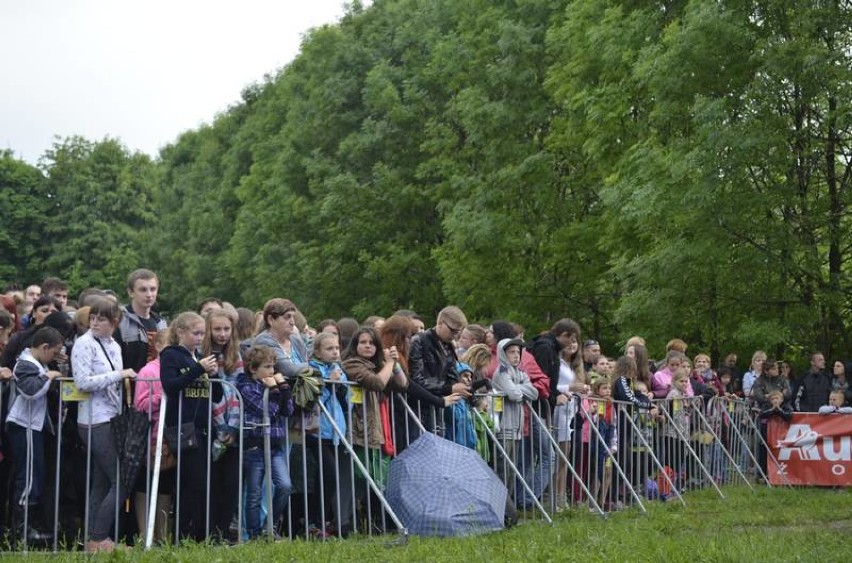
pixel 765 525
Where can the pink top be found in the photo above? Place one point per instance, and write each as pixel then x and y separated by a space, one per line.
pixel 661 384
pixel 149 394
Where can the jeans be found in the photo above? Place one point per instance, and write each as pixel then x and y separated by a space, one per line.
pixel 255 470
pixel 535 462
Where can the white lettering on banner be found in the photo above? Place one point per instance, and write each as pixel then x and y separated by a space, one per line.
pixel 838 469
pixel 843 454
pixel 802 440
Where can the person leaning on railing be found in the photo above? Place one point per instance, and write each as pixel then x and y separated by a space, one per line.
pixel 377 370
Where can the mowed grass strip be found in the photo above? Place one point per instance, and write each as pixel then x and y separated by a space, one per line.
pixel 765 525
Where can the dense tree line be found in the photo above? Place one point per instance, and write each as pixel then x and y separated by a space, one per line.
pixel 676 168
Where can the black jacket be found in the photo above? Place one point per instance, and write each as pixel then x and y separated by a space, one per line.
pixel 545 349
pixel 813 392
pixel 180 373
pixel 433 363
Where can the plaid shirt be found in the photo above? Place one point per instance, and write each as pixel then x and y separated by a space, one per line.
pixel 280 407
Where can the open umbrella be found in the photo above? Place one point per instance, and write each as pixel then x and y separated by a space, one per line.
pixel 130 434
pixel 439 488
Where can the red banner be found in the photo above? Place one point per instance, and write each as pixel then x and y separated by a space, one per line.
pixel 811 449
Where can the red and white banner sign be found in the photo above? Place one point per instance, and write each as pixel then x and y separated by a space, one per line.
pixel 811 449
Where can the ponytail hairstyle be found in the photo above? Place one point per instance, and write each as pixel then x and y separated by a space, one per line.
pixel 319 339
pixel 183 322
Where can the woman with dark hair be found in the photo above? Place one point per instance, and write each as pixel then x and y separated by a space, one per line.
pixel 376 370
pixel 98 370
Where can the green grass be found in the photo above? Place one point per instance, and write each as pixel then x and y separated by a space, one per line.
pixel 765 525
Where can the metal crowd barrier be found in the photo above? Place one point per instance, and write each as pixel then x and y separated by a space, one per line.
pixel 618 456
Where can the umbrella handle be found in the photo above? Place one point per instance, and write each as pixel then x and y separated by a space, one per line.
pixel 127 392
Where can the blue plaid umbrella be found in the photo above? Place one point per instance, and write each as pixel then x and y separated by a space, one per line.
pixel 439 488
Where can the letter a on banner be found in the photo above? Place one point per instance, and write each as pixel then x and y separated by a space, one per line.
pixel 811 450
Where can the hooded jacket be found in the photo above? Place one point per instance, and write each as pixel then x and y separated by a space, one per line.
pixel 133 338
pixel 29 404
pixel 516 386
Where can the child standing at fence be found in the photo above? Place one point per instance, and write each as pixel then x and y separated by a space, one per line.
pixel 147 398
pixel 626 389
pixel 603 444
pixel 220 340
pixel 25 423
pixel 335 467
pixel 186 380
pixel 677 433
pixel 260 375
pixel 516 387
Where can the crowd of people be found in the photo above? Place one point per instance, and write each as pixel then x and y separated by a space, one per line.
pixel 225 374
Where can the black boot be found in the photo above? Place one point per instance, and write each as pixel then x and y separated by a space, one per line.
pixel 34 534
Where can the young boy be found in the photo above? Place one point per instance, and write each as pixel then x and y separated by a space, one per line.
pixel 458 418
pixel 836 399
pixel 29 415
pixel 515 386
pixel 260 375
pixel 602 415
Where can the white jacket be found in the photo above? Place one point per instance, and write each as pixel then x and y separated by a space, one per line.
pixel 94 374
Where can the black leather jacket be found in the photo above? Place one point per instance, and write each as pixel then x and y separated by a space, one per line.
pixel 433 363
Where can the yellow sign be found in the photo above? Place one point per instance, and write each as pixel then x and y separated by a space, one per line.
pixel 69 392
pixel 498 404
pixel 357 395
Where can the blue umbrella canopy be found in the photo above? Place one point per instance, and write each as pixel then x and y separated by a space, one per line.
pixel 439 488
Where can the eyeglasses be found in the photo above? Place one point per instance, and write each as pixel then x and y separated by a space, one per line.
pixel 590 343
pixel 453 331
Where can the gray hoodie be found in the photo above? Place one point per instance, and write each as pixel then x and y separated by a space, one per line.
pixel 515 386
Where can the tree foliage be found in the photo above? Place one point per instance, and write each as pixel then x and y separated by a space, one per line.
pixel 660 168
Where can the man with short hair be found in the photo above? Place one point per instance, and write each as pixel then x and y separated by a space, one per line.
pixel 591 353
pixel 57 288
pixel 32 293
pixel 432 365
pixel 139 323
pixel 814 386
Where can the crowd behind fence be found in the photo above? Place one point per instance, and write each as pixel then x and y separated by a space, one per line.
pixel 616 456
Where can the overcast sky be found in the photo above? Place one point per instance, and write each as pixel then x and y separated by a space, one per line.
pixel 142 71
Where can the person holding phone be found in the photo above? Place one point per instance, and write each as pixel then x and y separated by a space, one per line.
pixel 186 382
